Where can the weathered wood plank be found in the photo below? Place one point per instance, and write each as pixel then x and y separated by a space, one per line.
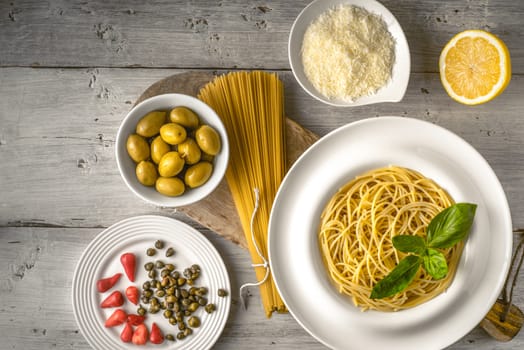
pixel 222 34
pixel 58 129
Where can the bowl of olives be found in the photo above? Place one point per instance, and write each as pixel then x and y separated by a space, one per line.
pixel 172 150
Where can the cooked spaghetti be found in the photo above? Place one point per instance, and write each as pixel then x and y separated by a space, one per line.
pixel 251 106
pixel 357 227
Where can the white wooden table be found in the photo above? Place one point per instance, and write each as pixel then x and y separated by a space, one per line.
pixel 71 70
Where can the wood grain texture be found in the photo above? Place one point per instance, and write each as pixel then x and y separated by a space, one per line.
pixel 71 70
pixel 220 34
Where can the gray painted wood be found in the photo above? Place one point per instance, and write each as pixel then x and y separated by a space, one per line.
pixel 71 70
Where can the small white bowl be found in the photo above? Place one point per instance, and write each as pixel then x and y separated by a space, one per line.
pixel 393 91
pixel 127 166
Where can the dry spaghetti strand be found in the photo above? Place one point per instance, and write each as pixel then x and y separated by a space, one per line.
pixel 251 106
pixel 357 227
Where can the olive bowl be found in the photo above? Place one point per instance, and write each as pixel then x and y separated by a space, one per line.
pixel 127 167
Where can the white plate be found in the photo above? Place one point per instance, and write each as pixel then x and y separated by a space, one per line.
pixel 297 265
pixel 102 259
pixel 393 91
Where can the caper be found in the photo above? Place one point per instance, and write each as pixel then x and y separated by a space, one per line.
pixel 163 305
pixel 170 252
pixel 222 292
pixel 187 273
pixel 202 291
pixel 194 322
pixel 186 302
pixel 170 337
pixel 181 281
pixel 152 274
pixel 154 301
pixel 168 313
pixel 159 264
pixel 195 268
pixel 146 285
pixel 176 307
pixel 170 267
pixel 172 320
pixel 210 308
pixel 160 293
pixel 151 251
pixel 148 293
pixel 159 244
pixel 188 332
pixel 154 309
pixel 165 273
pixel 184 293
pixel 195 275
pixel 141 311
pixel 202 301
pixel 193 307
pixel 181 326
pixel 180 335
pixel 170 295
pixel 192 290
pixel 145 300
pixel 158 285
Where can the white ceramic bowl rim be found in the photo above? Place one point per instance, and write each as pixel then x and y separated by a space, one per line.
pixel 127 167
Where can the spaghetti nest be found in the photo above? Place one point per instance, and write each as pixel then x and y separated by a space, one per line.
pixel 357 227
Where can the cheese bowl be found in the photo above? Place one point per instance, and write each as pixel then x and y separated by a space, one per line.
pixel 395 87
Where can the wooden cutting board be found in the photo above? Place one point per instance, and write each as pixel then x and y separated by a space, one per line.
pixel 217 212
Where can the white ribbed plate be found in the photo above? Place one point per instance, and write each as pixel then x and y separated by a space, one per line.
pixel 102 259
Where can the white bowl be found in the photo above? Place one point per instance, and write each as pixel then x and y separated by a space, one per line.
pixel 393 91
pixel 127 166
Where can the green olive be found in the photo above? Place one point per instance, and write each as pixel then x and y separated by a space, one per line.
pixel 146 173
pixel 173 133
pixel 158 149
pixel 207 157
pixel 170 186
pixel 198 174
pixel 137 148
pixel 150 124
pixel 208 140
pixel 184 116
pixel 170 164
pixel 189 151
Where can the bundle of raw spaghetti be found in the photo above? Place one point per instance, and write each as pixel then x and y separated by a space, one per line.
pixel 251 106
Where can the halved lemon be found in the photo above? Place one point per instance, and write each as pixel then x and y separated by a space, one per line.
pixel 475 67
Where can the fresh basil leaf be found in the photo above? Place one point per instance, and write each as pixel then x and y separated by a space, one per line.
pixel 398 279
pixel 451 225
pixel 435 264
pixel 410 244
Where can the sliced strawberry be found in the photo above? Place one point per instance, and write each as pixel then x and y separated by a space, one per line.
pixel 135 320
pixel 117 318
pixel 127 333
pixel 132 294
pixel 156 336
pixel 105 284
pixel 140 335
pixel 128 261
pixel 114 299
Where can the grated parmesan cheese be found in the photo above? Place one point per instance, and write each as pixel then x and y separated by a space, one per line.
pixel 348 53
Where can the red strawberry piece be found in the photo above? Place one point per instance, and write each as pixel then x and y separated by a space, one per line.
pixel 105 284
pixel 132 294
pixel 156 336
pixel 135 320
pixel 140 335
pixel 127 333
pixel 118 317
pixel 128 261
pixel 114 299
